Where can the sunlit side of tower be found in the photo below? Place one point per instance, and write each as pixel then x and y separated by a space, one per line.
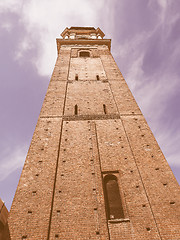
pixel 94 169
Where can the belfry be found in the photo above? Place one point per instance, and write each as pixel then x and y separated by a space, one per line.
pixel 94 169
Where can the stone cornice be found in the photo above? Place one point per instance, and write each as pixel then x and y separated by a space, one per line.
pixel 82 31
pixel 61 42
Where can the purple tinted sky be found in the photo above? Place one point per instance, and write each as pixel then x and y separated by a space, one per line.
pixel 146 46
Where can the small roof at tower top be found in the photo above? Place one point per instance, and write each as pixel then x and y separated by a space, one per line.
pixel 82 30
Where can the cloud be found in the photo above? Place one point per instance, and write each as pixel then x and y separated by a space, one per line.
pixel 149 61
pixel 11 5
pixel 45 20
pixel 130 58
pixel 25 45
pixel 163 3
pixel 169 142
pixel 7 26
pixel 12 160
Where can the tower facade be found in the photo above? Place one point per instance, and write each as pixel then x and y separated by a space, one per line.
pixel 94 169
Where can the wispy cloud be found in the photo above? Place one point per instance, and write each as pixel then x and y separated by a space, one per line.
pixel 12 159
pixel 149 61
pixel 11 5
pixel 44 20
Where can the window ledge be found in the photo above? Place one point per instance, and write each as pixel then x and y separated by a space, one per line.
pixel 118 220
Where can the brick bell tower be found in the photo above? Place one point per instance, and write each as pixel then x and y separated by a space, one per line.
pixel 94 169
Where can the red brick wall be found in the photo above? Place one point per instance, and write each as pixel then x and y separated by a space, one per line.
pixel 60 192
pixel 31 208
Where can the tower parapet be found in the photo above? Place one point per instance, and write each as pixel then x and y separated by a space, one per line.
pixel 82 33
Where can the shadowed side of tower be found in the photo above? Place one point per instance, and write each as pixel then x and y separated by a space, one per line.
pixel 94 169
pixel 4 229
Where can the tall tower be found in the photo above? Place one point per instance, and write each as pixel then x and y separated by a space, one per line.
pixel 94 169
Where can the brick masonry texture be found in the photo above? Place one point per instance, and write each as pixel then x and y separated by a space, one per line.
pixel 53 104
pixel 77 213
pixel 30 211
pixel 116 155
pixel 159 182
pixel 60 193
pixel 61 68
pixel 89 97
pixel 125 101
pixel 84 67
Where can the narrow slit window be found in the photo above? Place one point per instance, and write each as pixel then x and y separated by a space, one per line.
pixel 104 108
pixel 97 77
pixel 113 202
pixel 76 109
pixel 84 54
pixel 76 77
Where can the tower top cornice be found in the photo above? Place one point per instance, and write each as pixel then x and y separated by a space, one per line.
pixel 82 36
pixel 82 33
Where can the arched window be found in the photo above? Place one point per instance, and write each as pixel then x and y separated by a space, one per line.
pixel 113 201
pixel 84 54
